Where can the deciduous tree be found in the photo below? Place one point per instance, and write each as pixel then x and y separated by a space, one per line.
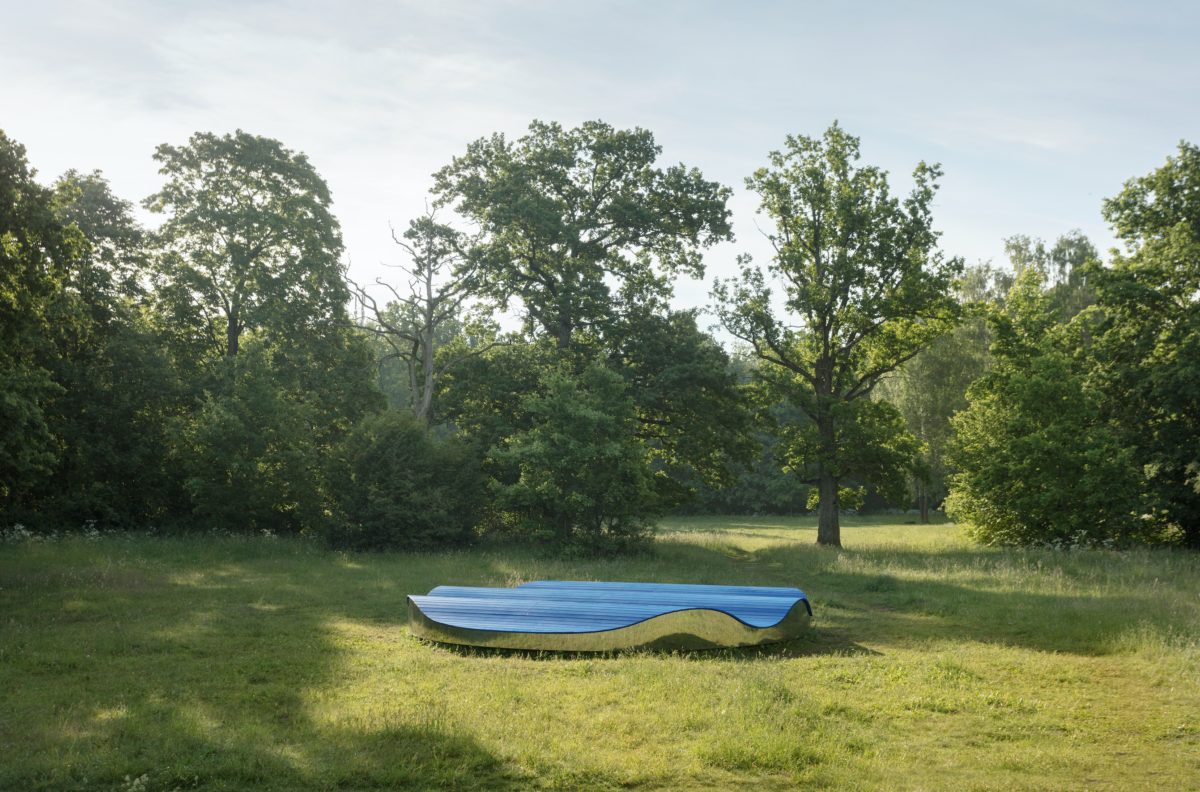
pixel 249 240
pixel 692 414
pixel 864 287
pixel 1146 349
pixel 36 254
pixel 414 322
pixel 1036 461
pixel 582 478
pixel 565 213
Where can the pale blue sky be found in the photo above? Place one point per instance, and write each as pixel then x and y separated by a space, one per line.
pixel 1037 111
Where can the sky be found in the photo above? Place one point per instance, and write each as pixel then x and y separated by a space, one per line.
pixel 1036 111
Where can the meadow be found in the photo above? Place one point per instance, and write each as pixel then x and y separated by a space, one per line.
pixel 232 662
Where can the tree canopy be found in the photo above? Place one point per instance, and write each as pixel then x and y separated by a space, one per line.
pixel 864 287
pixel 36 254
pixel 567 212
pixel 1036 461
pixel 208 374
pixel 1146 348
pixel 250 242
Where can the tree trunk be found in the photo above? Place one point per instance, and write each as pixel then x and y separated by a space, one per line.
pixel 923 500
pixel 562 336
pixel 232 332
pixel 423 409
pixel 829 530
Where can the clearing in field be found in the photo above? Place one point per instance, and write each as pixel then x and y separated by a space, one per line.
pixel 228 663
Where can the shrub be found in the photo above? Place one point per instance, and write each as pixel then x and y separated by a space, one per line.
pixel 582 478
pixel 396 485
pixel 1037 464
pixel 248 456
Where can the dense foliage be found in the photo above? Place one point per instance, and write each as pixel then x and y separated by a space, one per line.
pixel 581 475
pixel 36 254
pixel 569 213
pixel 209 374
pixel 397 485
pixel 1145 356
pixel 1087 429
pixel 1036 461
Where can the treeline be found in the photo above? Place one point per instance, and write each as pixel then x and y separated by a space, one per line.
pixel 209 373
pixel 221 371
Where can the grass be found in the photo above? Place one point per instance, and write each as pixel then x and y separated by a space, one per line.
pixel 233 663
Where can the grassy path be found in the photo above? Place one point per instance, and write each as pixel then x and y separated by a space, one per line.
pixel 235 663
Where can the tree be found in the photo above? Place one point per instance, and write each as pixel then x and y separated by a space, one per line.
pixel 250 262
pixel 929 389
pixel 760 485
pixel 249 240
pixel 443 275
pixel 1062 266
pixel 582 478
pixel 36 254
pixel 1036 461
pixel 565 212
pixel 582 229
pixel 1146 341
pixel 116 260
pixel 484 396
pixel 874 445
pixel 864 287
pixel 249 455
pixel 397 485
pixel 118 389
pixel 692 415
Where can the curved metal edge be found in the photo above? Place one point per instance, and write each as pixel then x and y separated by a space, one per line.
pixel 696 628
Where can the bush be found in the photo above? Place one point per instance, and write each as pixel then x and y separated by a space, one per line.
pixel 398 486
pixel 1037 463
pixel 582 477
pixel 248 455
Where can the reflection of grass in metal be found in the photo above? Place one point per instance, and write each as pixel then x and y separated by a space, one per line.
pixel 695 628
pixel 236 663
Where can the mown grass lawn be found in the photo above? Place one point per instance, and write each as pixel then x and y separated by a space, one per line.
pixel 235 663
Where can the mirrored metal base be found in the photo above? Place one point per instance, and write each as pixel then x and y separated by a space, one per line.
pixel 695 628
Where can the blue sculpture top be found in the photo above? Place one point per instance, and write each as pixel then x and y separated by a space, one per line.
pixel 563 606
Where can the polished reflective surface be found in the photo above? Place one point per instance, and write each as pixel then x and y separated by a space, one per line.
pixel 693 628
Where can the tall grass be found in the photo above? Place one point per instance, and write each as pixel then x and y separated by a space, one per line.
pixel 234 663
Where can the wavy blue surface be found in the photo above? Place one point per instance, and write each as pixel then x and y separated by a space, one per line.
pixel 565 606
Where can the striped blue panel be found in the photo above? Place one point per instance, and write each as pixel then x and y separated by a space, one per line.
pixel 573 607
pixel 699 588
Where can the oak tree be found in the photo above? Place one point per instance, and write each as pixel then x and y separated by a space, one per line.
pixel 249 239
pixel 568 213
pixel 864 288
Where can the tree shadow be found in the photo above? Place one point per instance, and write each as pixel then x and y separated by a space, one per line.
pixel 975 599
pixel 903 597
pixel 194 675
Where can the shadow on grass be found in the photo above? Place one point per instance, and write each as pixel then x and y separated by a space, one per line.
pixel 911 598
pixel 867 600
pixel 812 644
pixel 195 673
pixel 898 597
